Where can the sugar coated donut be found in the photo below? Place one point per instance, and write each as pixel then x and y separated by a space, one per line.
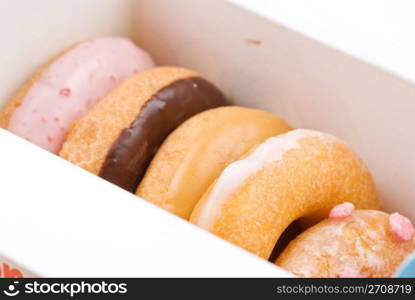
pixel 120 135
pixel 360 243
pixel 298 175
pixel 69 85
pixel 197 151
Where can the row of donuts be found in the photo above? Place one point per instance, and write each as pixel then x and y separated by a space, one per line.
pixel 170 136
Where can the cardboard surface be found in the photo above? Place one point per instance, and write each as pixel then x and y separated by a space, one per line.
pixel 375 31
pixel 61 221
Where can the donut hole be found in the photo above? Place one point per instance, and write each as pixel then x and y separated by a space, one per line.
pixel 290 233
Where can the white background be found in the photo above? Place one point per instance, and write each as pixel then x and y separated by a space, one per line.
pixel 381 31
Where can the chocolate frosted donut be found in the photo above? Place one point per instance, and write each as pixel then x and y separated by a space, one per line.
pixel 119 137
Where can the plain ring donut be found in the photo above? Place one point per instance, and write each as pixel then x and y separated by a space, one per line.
pixel 298 175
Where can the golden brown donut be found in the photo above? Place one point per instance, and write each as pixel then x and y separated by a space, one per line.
pixel 197 151
pixel 362 243
pixel 120 135
pixel 298 175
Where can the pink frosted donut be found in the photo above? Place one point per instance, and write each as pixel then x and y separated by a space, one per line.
pixel 68 86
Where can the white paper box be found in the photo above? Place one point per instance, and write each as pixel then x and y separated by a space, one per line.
pixel 58 220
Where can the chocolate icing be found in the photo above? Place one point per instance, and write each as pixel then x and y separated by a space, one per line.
pixel 131 153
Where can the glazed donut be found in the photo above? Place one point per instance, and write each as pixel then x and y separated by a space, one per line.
pixel 360 243
pixel 120 135
pixel 197 151
pixel 297 175
pixel 69 85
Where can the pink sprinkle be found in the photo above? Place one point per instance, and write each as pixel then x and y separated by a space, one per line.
pixel 402 228
pixel 113 78
pixel 62 129
pixel 56 119
pixel 43 120
pixel 341 211
pixel 65 92
pixel 349 272
pixel 50 139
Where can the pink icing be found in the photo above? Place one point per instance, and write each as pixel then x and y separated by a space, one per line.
pixel 349 272
pixel 402 228
pixel 72 85
pixel 341 211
